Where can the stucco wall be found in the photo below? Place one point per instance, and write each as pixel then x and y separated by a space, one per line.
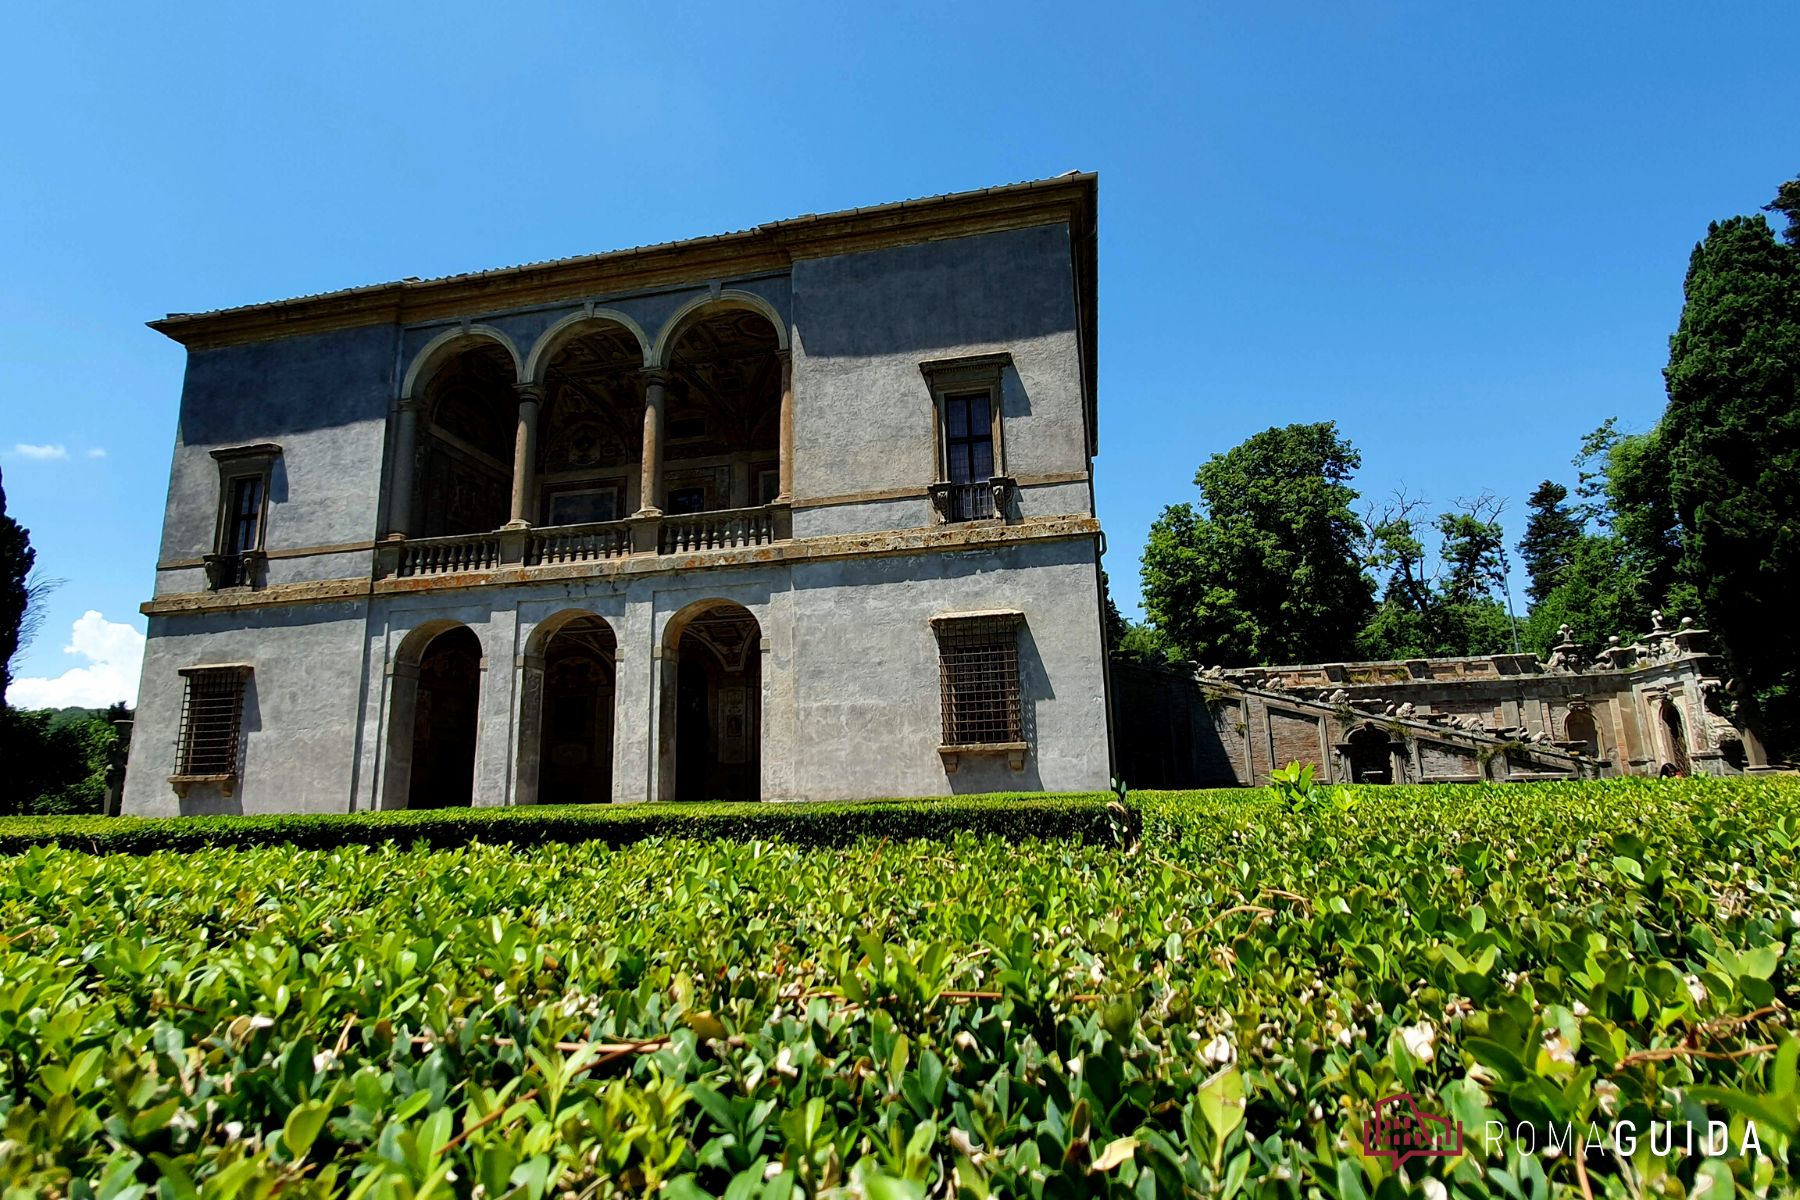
pixel 863 324
pixel 301 709
pixel 849 680
pixel 324 399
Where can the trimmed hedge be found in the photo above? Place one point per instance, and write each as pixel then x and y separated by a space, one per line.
pixel 1215 1009
pixel 1008 815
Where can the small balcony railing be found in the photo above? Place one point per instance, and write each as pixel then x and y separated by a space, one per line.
pixel 578 543
pixel 982 500
pixel 600 541
pixel 449 555
pixel 726 529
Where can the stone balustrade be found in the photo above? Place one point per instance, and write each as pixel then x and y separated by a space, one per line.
pixel 595 542
pixel 726 529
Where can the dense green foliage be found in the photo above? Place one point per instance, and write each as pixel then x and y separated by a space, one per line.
pixel 817 824
pixel 1730 448
pixel 1552 534
pixel 58 759
pixel 1450 611
pixel 16 558
pixel 1265 568
pixel 1214 1009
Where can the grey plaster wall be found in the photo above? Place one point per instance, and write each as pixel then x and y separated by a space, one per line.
pixel 863 324
pixel 850 680
pixel 302 709
pixel 323 398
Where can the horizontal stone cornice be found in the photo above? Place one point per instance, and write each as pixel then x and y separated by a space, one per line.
pixel 937 539
pixel 760 250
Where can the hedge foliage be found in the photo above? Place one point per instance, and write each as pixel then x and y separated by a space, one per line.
pixel 1033 815
pixel 1212 1008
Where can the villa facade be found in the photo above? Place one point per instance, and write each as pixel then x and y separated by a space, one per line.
pixel 804 511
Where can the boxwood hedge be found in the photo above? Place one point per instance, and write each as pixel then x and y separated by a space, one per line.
pixel 1033 815
pixel 1215 1005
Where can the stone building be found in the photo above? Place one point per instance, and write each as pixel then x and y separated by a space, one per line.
pixel 804 511
pixel 1654 706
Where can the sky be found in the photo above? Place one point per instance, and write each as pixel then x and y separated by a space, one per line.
pixel 1458 231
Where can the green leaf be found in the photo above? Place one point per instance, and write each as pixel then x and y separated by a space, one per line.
pixel 303 1125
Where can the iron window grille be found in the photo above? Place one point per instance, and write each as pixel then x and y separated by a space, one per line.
pixel 978 675
pixel 210 735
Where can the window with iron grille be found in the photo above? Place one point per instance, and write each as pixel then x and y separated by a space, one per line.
pixel 978 675
pixel 212 713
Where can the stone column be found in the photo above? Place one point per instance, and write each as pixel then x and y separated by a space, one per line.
pixel 525 453
pixel 786 494
pixel 650 490
pixel 406 453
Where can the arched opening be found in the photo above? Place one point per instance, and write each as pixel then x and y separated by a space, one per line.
pixel 591 430
pixel 470 423
pixel 445 706
pixel 1678 763
pixel 1580 728
pixel 573 715
pixel 1371 756
pixel 711 740
pixel 722 423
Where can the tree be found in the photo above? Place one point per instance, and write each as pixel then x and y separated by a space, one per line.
pixel 1264 569
pixel 1448 612
pixel 1727 451
pixel 1552 533
pixel 1787 203
pixel 16 558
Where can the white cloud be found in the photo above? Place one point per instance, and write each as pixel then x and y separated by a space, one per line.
pixel 97 452
pixel 115 654
pixel 41 453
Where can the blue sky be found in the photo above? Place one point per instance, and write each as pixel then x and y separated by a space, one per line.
pixel 1457 230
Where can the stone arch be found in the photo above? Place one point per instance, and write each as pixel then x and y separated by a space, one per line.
pixel 447 345
pixel 1370 755
pixel 709 739
pixel 726 300
pixel 1580 726
pixel 568 693
pixel 537 363
pixel 1675 734
pixel 432 712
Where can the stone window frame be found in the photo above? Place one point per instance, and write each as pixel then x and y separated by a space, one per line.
pixel 969 374
pixel 958 631
pixel 209 738
pixel 225 570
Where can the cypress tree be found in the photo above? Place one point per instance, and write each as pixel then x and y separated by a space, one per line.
pixel 1551 534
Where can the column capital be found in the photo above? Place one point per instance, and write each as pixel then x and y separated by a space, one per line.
pixel 411 404
pixel 655 376
pixel 529 392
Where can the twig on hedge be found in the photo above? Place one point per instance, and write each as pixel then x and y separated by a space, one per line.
pixel 1258 909
pixel 566 1047
pixel 1664 1053
pixel 1727 1024
pixel 1292 897
pixel 344 1036
pixel 1581 1169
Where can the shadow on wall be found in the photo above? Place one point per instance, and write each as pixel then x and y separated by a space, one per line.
pixel 999 288
pixel 263 390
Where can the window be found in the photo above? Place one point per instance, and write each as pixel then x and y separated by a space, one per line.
pixel 212 710
pixel 768 484
pixel 686 500
pixel 978 677
pixel 972 484
pixel 238 553
pixel 581 505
